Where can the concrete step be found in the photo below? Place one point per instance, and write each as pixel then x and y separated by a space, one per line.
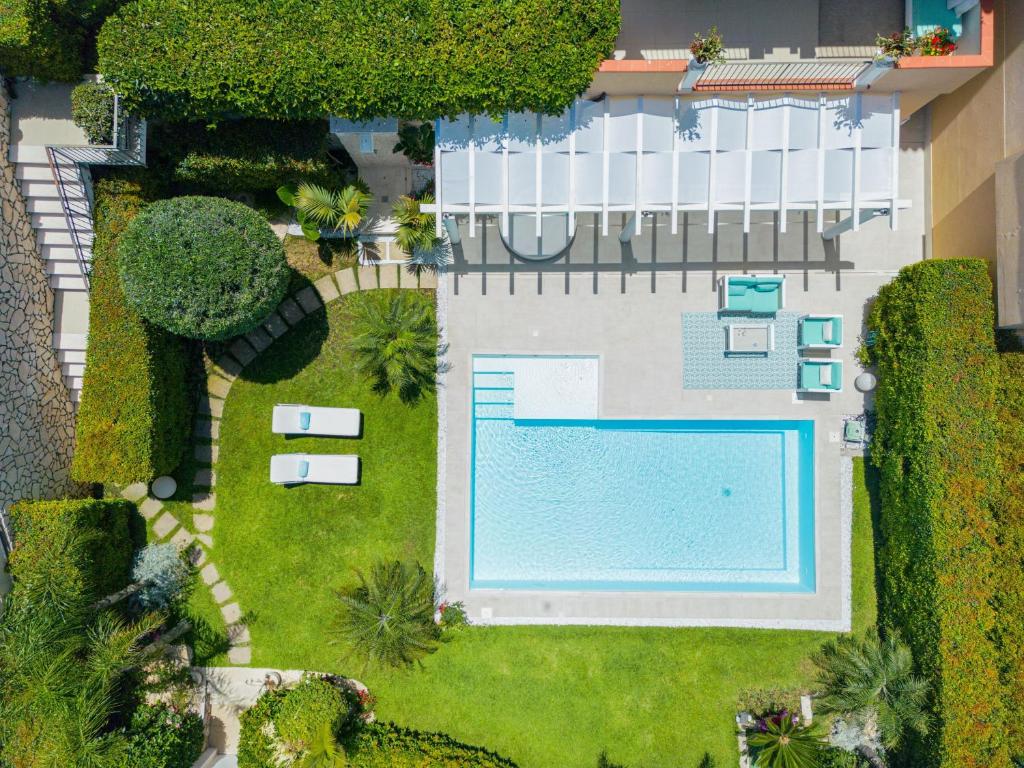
pixel 27 153
pixel 44 188
pixel 58 253
pixel 76 397
pixel 65 341
pixel 48 205
pixel 49 221
pixel 33 172
pixel 54 237
pixel 206 760
pixel 70 356
pixel 64 268
pixel 73 382
pixel 67 283
pixel 76 370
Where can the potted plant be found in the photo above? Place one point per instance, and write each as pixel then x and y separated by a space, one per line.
pixel 416 142
pixel 938 42
pixel 895 46
pixel 342 211
pixel 709 48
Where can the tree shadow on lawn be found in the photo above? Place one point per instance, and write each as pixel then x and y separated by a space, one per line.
pixel 291 353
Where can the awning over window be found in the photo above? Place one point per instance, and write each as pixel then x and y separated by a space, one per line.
pixel 650 154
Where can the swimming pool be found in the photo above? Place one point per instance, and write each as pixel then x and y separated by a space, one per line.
pixel 600 504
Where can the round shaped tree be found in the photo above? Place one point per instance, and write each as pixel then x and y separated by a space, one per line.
pixel 202 267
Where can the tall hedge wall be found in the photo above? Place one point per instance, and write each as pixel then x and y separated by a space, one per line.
pixel 936 447
pixel 358 59
pixel 41 529
pixel 133 421
pixel 1010 514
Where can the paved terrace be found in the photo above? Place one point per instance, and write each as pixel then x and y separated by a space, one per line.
pixel 624 303
pixel 755 29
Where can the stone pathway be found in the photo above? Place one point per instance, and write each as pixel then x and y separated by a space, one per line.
pixel 197 537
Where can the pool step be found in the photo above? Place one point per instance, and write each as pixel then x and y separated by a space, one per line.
pixel 493 411
pixel 493 395
pixel 493 380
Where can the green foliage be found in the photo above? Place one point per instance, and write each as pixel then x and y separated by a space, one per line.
pixel 709 48
pixel 395 341
pixel 416 142
pixel 385 745
pixel 160 737
pixel 234 156
pixel 784 743
pixel 134 418
pixel 164 571
pixel 415 228
pixel 46 552
pixel 389 618
pixel 42 39
pixel 761 702
pixel 305 709
pixel 318 207
pixel 209 58
pixel 873 679
pixel 324 751
pixel 1010 516
pixel 255 740
pixel 92 110
pixel 202 267
pixel 936 449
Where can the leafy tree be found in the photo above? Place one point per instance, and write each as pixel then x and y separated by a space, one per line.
pixel 784 743
pixel 316 206
pixel 395 341
pixel 202 267
pixel 416 142
pixel 872 681
pixel 389 618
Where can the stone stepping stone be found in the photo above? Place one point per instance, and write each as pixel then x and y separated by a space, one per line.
pixel 367 277
pixel 243 353
pixel 238 634
pixel 231 612
pixel 275 325
pixel 207 429
pixel 207 453
pixel 389 276
pixel 227 366
pixel 221 592
pixel 346 280
pixel 428 279
pixel 240 654
pixel 308 300
pixel 205 477
pixel 202 523
pixel 218 387
pixel 291 312
pixel 259 339
pixel 134 492
pixel 327 289
pixel 164 525
pixel 209 574
pixel 206 539
pixel 211 406
pixel 149 508
pixel 204 501
pixel 182 539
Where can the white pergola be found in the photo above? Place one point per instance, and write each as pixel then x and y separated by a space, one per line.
pixel 670 154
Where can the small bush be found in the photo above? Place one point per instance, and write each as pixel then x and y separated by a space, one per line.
pixel 305 709
pixel 202 267
pixel 42 39
pixel 160 737
pixel 134 418
pixel 166 575
pixel 42 528
pixel 386 745
pixel 92 110
pixel 761 702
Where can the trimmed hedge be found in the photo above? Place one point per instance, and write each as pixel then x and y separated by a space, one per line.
pixel 1010 514
pixel 160 737
pixel 40 38
pixel 134 418
pixel 92 110
pixel 203 267
pixel 936 446
pixel 201 59
pixel 42 527
pixel 236 156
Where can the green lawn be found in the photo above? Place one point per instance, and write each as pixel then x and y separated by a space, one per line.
pixel 543 696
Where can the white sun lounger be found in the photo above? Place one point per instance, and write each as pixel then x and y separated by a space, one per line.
pixel 294 468
pixel 307 420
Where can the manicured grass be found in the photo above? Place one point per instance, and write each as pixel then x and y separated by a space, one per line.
pixel 544 696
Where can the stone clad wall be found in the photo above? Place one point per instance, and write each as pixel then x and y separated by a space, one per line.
pixel 37 423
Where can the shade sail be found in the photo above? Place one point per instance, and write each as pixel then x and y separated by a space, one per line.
pixel 671 154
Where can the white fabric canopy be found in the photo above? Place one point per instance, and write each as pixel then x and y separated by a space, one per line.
pixel 672 154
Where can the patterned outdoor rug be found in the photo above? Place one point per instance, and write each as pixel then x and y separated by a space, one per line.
pixel 707 366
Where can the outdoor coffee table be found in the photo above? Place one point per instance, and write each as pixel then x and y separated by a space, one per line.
pixel 751 338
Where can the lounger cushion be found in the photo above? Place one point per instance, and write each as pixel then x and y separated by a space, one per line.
pixel 737 290
pixel 304 420
pixel 826 332
pixel 303 468
pixel 825 375
pixel 766 287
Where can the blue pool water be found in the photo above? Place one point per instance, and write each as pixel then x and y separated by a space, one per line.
pixel 638 505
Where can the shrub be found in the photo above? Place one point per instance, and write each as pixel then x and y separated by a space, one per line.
pixel 317 207
pixel 160 737
pixel 765 701
pixel 40 38
pixel 307 707
pixel 92 110
pixel 133 421
pixel 202 267
pixel 416 142
pixel 211 58
pixel 415 228
pixel 100 567
pixel 165 573
pixel 709 48
pixel 235 156
pixel 935 446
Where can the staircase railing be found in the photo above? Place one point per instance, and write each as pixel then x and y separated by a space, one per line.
pixel 69 166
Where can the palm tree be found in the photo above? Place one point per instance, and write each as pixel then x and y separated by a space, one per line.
pixel 785 744
pixel 324 751
pixel 415 228
pixel 872 681
pixel 389 617
pixel 316 206
pixel 395 341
